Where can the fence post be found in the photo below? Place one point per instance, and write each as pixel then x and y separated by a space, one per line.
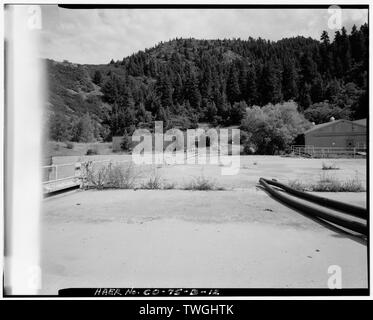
pixel 78 169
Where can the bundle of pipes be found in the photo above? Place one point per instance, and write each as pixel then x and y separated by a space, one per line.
pixel 358 225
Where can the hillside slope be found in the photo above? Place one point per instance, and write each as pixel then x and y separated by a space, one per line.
pixel 185 81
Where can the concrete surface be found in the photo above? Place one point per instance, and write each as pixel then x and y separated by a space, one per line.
pixel 154 238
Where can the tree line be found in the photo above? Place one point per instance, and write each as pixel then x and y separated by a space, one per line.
pixel 186 81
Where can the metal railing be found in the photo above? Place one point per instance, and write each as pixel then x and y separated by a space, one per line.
pixel 68 171
pixel 325 152
pixel 60 172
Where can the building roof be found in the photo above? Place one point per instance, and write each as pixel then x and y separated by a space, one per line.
pixel 321 125
pixel 361 122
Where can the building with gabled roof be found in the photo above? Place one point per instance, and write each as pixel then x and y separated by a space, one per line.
pixel 338 133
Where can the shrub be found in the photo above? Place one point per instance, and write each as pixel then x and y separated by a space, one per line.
pixel 169 185
pixel 202 184
pixel 272 128
pixel 332 166
pixel 353 185
pixel 93 177
pixel 126 142
pixel 321 112
pixel 248 148
pixel 120 176
pixel 153 183
pixel 69 145
pixel 59 127
pixel 83 129
pixel 329 184
pixel 91 152
pixel 101 177
pixel 297 185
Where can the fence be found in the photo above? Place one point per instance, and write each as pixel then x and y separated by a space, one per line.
pixel 328 152
pixel 60 172
pixel 58 177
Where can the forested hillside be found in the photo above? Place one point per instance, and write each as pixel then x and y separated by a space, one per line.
pixel 186 81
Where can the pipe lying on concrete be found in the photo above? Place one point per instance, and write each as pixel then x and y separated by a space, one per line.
pixel 312 211
pixel 337 205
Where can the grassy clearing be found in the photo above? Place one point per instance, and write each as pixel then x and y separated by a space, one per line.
pixel 329 184
pixel 53 148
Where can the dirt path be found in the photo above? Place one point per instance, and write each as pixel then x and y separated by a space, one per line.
pixel 239 238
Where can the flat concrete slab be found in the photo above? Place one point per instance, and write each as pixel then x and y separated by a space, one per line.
pixel 155 238
pixel 56 186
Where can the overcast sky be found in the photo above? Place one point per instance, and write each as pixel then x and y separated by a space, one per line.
pixel 97 36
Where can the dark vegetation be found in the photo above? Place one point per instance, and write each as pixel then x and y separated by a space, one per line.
pixel 272 89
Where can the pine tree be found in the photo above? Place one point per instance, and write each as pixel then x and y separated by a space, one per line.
pixel 326 62
pixel 177 95
pixel 251 87
pixel 357 44
pixel 192 91
pixel 237 112
pixel 165 91
pixel 270 84
pixel 97 77
pixel 317 89
pixel 242 81
pixel 110 91
pixel 163 115
pixel 211 112
pixel 126 119
pixel 308 68
pixel 305 96
pixel 142 115
pixel 289 81
pixel 345 50
pixel 332 90
pixel 206 74
pixel 219 101
pixel 325 38
pixel 126 100
pixel 233 87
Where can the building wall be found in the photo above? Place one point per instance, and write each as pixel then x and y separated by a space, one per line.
pixel 344 134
